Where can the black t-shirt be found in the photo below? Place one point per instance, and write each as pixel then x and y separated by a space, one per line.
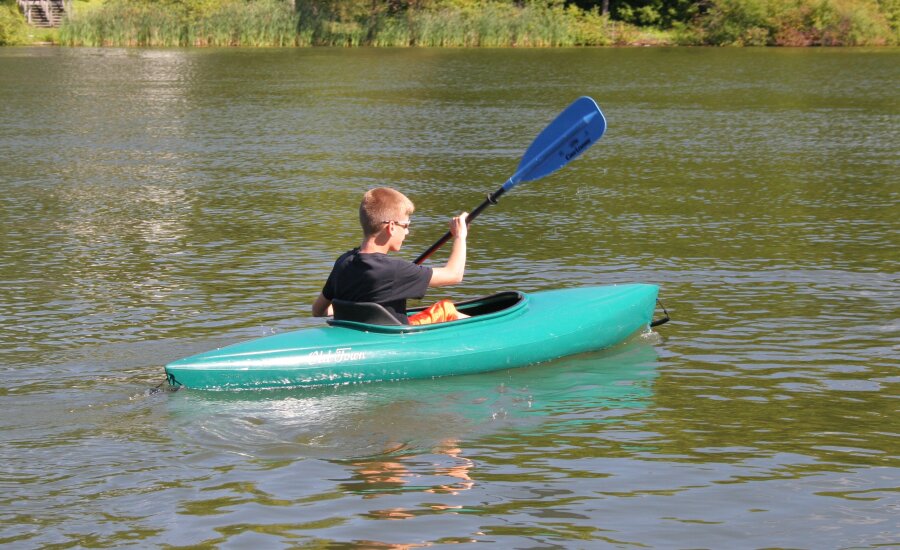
pixel 378 278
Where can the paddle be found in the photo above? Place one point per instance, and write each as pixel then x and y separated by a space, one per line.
pixel 564 139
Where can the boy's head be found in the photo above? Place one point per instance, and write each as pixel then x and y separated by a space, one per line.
pixel 382 205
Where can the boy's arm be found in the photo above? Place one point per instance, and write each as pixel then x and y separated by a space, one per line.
pixel 452 273
pixel 322 307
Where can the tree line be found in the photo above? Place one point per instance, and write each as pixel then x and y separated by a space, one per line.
pixel 474 23
pixel 689 22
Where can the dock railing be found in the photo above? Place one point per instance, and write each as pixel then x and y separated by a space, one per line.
pixel 44 12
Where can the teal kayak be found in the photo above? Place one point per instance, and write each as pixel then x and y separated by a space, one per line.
pixel 506 330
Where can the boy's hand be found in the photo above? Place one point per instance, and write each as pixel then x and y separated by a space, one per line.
pixel 458 227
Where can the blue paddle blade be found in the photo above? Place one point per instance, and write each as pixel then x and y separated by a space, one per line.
pixel 573 131
pixel 567 137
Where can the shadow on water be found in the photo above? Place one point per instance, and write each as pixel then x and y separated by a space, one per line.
pixel 415 416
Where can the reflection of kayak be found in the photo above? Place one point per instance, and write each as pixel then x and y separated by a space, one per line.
pixel 569 395
pixel 505 330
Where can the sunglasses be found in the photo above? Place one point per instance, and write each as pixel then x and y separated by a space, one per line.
pixel 401 224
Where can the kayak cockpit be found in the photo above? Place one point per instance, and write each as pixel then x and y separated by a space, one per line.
pixel 372 317
pixel 486 304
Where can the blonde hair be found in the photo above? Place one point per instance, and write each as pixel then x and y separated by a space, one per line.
pixel 380 205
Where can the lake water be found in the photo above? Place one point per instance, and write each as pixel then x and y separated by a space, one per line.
pixel 160 203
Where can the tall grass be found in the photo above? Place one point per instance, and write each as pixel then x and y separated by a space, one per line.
pixel 261 23
pixel 491 24
pixel 274 23
pixel 472 23
pixel 231 23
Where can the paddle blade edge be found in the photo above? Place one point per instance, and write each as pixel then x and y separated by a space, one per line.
pixel 572 133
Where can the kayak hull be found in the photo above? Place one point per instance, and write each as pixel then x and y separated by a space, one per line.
pixel 536 327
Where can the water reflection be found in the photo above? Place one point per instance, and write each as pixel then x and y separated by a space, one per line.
pixel 373 477
pixel 406 418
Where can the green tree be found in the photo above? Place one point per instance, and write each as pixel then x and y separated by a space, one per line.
pixel 797 23
pixel 660 13
pixel 13 28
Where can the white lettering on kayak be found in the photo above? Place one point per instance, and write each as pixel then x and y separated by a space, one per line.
pixel 339 355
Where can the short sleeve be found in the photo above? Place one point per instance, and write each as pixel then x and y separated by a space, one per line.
pixel 411 280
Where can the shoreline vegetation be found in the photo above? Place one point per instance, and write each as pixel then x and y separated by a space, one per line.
pixel 464 23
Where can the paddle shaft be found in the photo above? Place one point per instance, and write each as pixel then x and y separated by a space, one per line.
pixel 491 199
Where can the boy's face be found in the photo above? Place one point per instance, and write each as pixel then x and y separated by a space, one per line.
pixel 398 231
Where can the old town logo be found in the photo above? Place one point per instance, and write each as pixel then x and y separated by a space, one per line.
pixel 339 355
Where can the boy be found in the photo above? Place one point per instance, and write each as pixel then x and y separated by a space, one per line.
pixel 368 274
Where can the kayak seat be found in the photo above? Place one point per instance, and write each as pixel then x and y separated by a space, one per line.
pixel 363 312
